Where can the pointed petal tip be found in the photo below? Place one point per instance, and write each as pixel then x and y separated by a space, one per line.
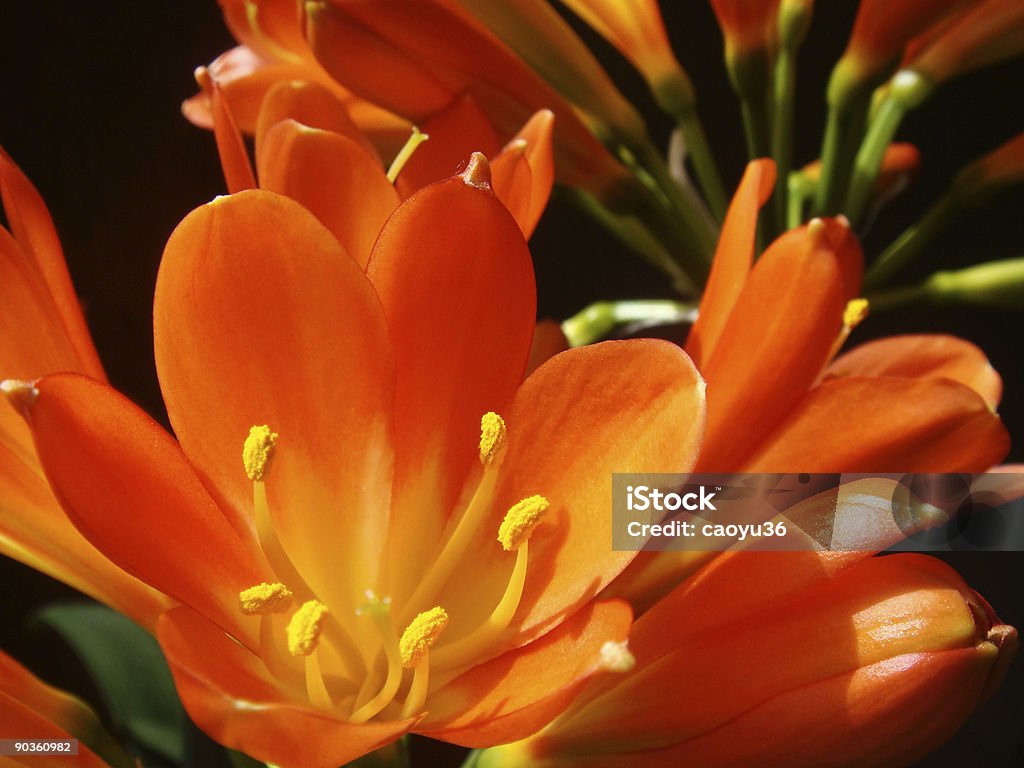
pixel 20 394
pixel 478 172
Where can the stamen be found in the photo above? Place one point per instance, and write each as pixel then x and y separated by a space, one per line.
pixel 264 599
pixel 520 521
pixel 421 633
pixel 493 437
pixel 514 534
pixel 616 657
pixel 855 312
pixel 379 611
pixel 257 451
pixel 305 627
pixel 853 315
pixel 405 153
pixel 316 687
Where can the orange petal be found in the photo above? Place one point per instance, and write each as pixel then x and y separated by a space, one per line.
pixel 234 158
pixel 31 709
pixel 733 259
pixel 524 171
pixel 922 356
pixel 332 176
pixel 635 406
pixel 455 132
pixel 33 339
pixel 863 424
pixel 262 318
pixel 271 26
pixel 35 530
pixel 33 229
pixel 229 693
pixel 773 346
pixel 521 691
pixel 129 489
pixel 548 341
pixel 439 266
pixel 381 72
pixel 311 104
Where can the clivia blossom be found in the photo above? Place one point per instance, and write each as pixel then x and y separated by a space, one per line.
pixel 407 537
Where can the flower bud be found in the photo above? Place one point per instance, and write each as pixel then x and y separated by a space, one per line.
pixel 798 659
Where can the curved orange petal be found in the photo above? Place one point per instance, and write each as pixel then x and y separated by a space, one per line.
pixel 865 424
pixel 333 177
pixel 733 259
pixel 518 693
pixel 20 722
pixel 548 341
pixel 33 230
pixel 311 104
pixel 774 345
pixel 524 171
pixel 260 317
pixel 634 406
pixel 34 340
pixel 228 692
pixel 439 265
pixel 922 356
pixel 455 132
pixel 34 530
pixel 234 158
pixel 270 26
pixel 131 492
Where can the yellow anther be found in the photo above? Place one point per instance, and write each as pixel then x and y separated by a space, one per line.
pixel 257 452
pixel 305 627
pixel 421 633
pixel 855 312
pixel 265 598
pixel 616 657
pixel 520 521
pixel 493 436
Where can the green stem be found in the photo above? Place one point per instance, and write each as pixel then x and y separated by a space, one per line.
pixel 636 236
pixel 844 130
pixel 908 245
pixel 704 166
pixel 869 158
pixel 800 190
pixel 598 320
pixel 782 130
pixel 690 212
pixel 897 297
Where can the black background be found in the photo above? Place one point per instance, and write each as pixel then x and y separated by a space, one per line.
pixel 89 108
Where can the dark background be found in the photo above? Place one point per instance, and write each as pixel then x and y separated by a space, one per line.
pixel 89 108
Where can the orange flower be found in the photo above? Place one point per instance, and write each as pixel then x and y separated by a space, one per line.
pixel 749 27
pixel 31 709
pixel 309 149
pixel 766 337
pixel 879 35
pixel 415 59
pixel 42 331
pixel 343 584
pixel 766 340
pixel 983 34
pixel 637 30
pixel 807 659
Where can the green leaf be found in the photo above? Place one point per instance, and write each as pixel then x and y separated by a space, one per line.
pixel 130 673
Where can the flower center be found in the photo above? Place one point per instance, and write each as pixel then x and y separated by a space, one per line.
pixel 312 650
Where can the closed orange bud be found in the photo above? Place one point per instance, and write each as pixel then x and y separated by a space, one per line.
pixel 984 34
pixel 796 659
pixel 748 26
pixel 999 168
